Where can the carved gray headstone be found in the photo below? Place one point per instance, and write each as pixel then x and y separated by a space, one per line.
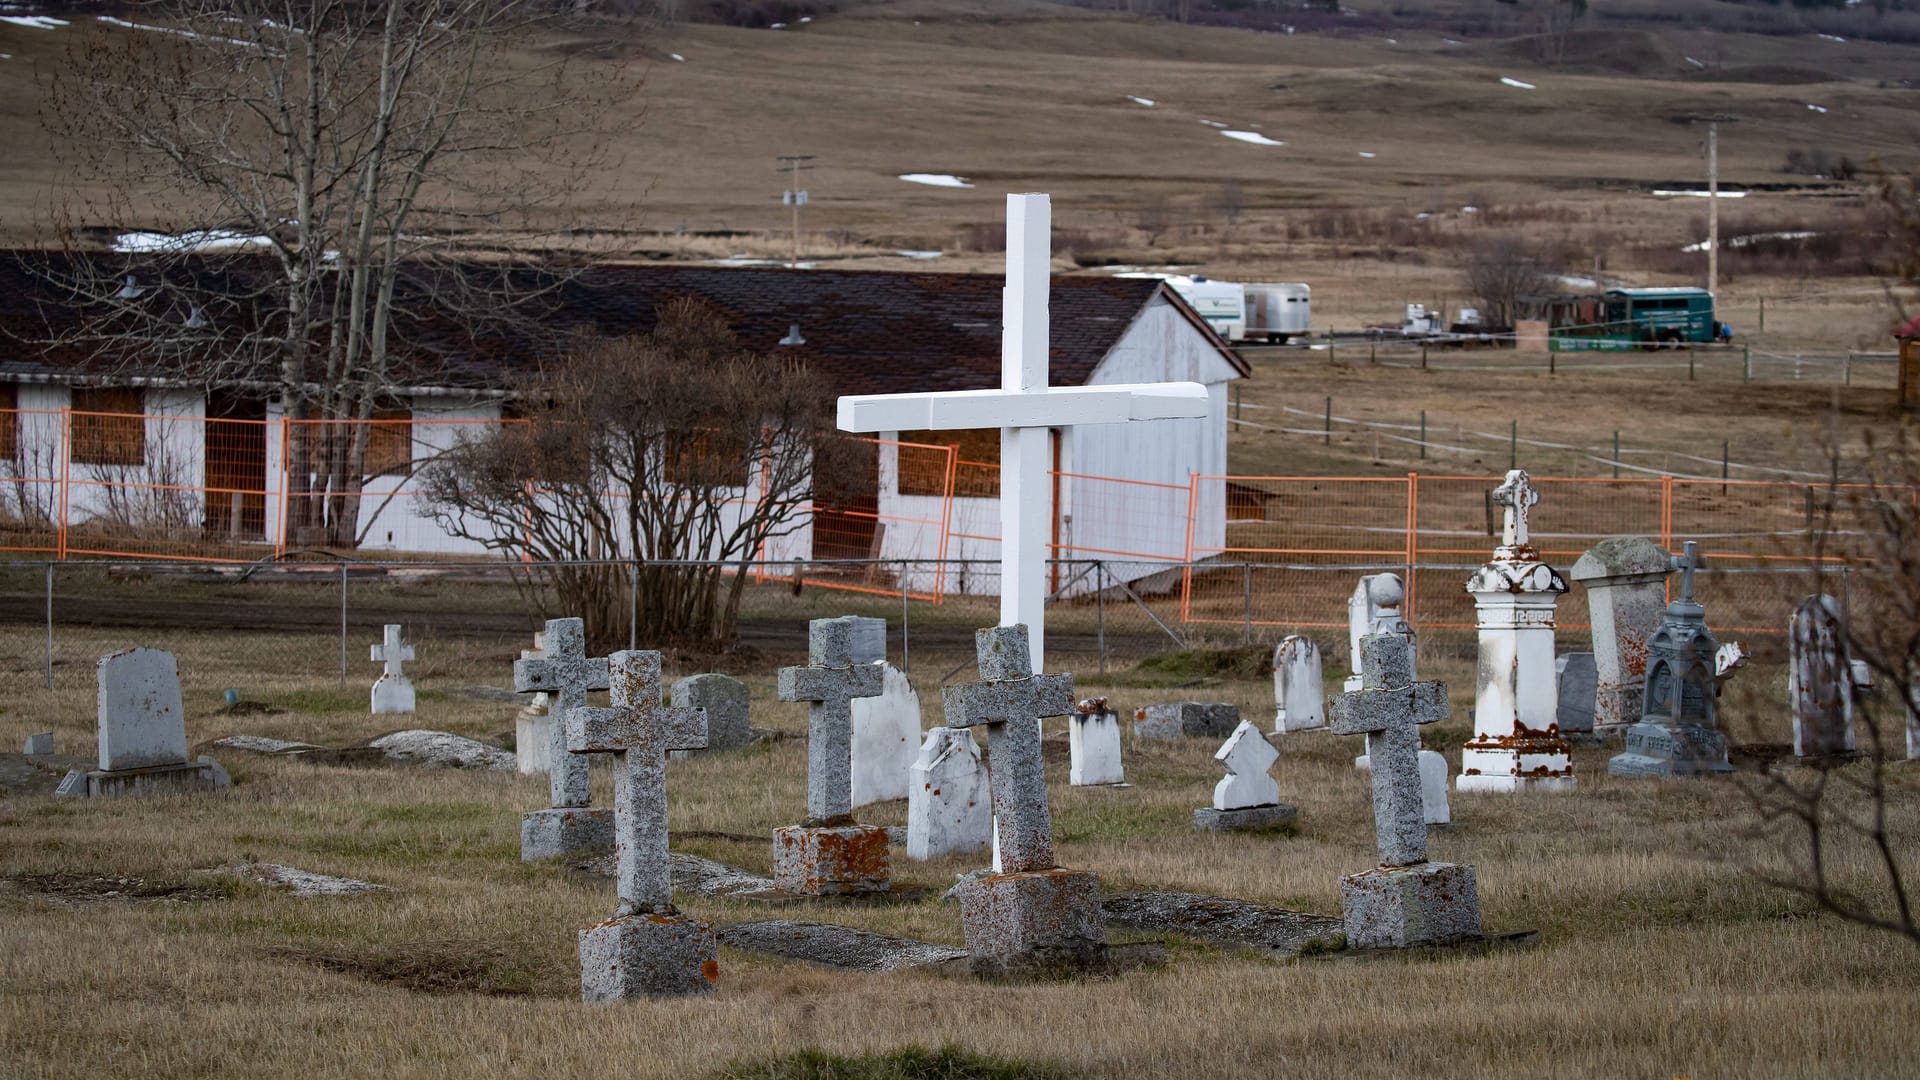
pixel 1678 733
pixel 1626 582
pixel 1578 678
pixel 141 720
pixel 869 639
pixel 726 702
pixel 1820 684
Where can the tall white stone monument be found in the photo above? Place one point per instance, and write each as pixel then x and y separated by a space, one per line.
pixel 1025 409
pixel 1516 741
pixel 392 691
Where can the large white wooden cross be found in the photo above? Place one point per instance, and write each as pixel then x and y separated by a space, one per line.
pixel 1024 409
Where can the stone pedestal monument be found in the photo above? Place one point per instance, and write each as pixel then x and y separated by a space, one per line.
pixel 565 673
pixel 1375 608
pixel 647 948
pixel 1406 900
pixel 1626 582
pixel 1031 916
pixel 829 852
pixel 1678 733
pixel 1516 741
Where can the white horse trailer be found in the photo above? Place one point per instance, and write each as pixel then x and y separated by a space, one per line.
pixel 1279 310
pixel 1222 303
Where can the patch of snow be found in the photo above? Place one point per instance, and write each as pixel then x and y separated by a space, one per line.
pixel 1517 84
pixel 6 56
pixel 1576 282
pixel 1750 239
pixel 1253 137
pixel 1816 108
pixel 1366 154
pixel 1469 209
pixel 935 179
pixel 1148 102
pixel 911 254
pixel 1450 41
pixel 806 18
pixel 1213 123
pixel 1422 216
pixel 678 58
pixel 778 26
pixel 1695 63
pixel 297 881
pixel 196 240
pixel 1700 194
pixel 1831 37
pixel 1393 41
pixel 750 260
pixel 259 744
pixel 111 21
pixel 36 22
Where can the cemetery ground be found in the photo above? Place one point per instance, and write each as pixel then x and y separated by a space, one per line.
pixel 1655 955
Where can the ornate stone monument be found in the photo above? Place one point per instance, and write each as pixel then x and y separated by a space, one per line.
pixel 1406 900
pixel 565 673
pixel 1626 582
pixel 1375 608
pixel 1030 916
pixel 143 732
pixel 648 948
pixel 1820 679
pixel 1247 798
pixel 1299 689
pixel 392 691
pixel 830 852
pixel 1093 745
pixel 1678 733
pixel 949 808
pixel 1516 742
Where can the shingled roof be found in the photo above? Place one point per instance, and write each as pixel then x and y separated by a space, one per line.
pixel 866 331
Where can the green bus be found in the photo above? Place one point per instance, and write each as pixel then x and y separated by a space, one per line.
pixel 1638 319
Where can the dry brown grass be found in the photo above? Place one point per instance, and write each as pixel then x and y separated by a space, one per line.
pixel 1657 957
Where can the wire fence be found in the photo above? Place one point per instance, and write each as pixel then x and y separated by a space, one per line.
pixel 1698 363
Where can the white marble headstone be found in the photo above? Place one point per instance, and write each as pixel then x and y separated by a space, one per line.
pixel 1093 745
pixel 949 809
pixel 1246 755
pixel 886 739
pixel 141 720
pixel 1299 689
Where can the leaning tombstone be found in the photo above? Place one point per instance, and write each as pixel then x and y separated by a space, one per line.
pixel 1577 677
pixel 1516 744
pixel 1093 745
pixel 648 948
pixel 1678 733
pixel 39 744
pixel 886 736
pixel 1030 916
pixel 1203 719
pixel 1406 900
pixel 728 705
pixel 1820 680
pixel 829 852
pixel 392 691
pixel 949 811
pixel 1626 582
pixel 143 732
pixel 533 728
pixel 1247 799
pixel 564 672
pixel 1299 689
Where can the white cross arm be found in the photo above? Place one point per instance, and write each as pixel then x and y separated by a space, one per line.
pixel 1056 406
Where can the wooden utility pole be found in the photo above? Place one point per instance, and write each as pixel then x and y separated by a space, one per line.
pixel 1713 205
pixel 795 196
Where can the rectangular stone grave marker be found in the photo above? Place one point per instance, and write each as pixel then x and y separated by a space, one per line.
pixel 1032 916
pixel 1820 685
pixel 1299 689
pixel 949 806
pixel 886 737
pixel 566 674
pixel 728 705
pixel 1093 745
pixel 39 744
pixel 142 731
pixel 830 852
pixel 1626 582
pixel 648 948
pixel 1578 680
pixel 533 728
pixel 1199 719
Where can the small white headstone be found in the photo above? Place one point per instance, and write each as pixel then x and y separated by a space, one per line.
pixel 393 691
pixel 949 809
pixel 886 738
pixel 1299 690
pixel 141 721
pixel 1093 745
pixel 1246 755
pixel 533 742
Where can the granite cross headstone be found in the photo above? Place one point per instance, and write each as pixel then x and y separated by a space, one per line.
pixel 565 673
pixel 1389 709
pixel 829 852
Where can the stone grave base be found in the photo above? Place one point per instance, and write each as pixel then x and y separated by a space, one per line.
pixel 569 830
pixel 1393 907
pixel 1033 923
pixel 1516 764
pixel 632 956
pixel 1245 819
pixel 202 775
pixel 1658 750
pixel 831 860
pixel 1585 740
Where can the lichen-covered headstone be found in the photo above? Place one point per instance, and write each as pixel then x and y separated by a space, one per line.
pixel 949 805
pixel 1299 688
pixel 727 703
pixel 1820 684
pixel 886 737
pixel 1247 797
pixel 1093 745
pixel 648 948
pixel 1030 916
pixel 830 852
pixel 1406 900
pixel 565 673
pixel 1626 582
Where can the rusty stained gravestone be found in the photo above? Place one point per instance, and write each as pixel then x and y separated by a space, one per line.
pixel 830 853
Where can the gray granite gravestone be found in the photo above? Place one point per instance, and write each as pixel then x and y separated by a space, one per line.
pixel 143 732
pixel 1626 582
pixel 727 704
pixel 1203 719
pixel 1578 679
pixel 647 948
pixel 565 673
pixel 830 852
pixel 1406 900
pixel 1678 733
pixel 1031 916
pixel 1820 682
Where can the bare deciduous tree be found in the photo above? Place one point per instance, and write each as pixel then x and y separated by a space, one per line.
pixel 676 446
pixel 334 146
pixel 1504 272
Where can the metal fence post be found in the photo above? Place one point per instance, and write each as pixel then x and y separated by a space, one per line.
pixel 906 654
pixel 1100 611
pixel 1246 598
pixel 633 604
pixel 49 625
pixel 343 623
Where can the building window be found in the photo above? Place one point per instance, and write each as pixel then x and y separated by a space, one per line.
pixel 389 442
pixel 978 472
pixel 693 460
pixel 9 422
pixel 107 426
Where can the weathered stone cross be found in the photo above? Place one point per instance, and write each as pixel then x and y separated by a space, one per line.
pixel 565 672
pixel 1687 564
pixel 391 651
pixel 1024 408
pixel 1388 709
pixel 1516 493
pixel 829 683
pixel 639 732
pixel 1010 699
